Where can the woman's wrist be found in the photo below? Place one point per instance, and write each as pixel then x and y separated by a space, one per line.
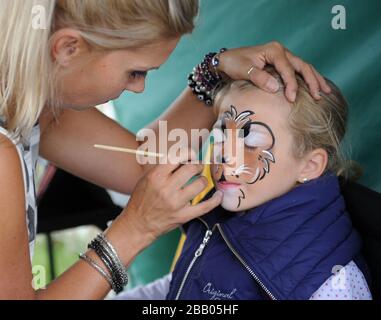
pixel 206 78
pixel 222 59
pixel 217 63
pixel 106 252
pixel 128 237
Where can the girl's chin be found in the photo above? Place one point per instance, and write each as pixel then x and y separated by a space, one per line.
pixel 230 208
pixel 231 204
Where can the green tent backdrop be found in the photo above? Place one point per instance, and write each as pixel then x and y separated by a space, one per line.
pixel 350 57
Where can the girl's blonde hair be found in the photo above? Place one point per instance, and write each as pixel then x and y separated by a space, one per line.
pixel 27 73
pixel 313 123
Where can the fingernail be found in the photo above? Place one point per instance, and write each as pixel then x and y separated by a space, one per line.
pixel 272 85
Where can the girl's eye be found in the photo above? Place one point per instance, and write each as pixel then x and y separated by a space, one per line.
pixel 259 136
pixel 251 148
pixel 138 74
pixel 253 140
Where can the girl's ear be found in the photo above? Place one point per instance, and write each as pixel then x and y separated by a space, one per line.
pixel 66 45
pixel 313 165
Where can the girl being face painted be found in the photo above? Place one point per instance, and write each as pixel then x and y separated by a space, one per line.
pixel 244 145
pixel 252 153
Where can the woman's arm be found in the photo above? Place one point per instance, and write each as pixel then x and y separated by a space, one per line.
pixel 69 143
pixel 159 204
pixel 15 265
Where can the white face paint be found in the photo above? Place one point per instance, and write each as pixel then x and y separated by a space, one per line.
pixel 258 137
pixel 256 141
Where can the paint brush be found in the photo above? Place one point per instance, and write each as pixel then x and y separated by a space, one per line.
pixel 126 150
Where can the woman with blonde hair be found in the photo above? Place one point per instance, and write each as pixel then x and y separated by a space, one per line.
pixel 52 73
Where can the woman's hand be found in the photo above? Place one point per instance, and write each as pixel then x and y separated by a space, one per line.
pixel 237 63
pixel 161 202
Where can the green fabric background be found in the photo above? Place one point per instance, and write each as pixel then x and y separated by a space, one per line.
pixel 351 58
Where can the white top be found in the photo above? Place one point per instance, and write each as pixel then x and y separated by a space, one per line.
pixel 28 153
pixel 347 284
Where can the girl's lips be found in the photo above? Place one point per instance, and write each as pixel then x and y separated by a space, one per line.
pixel 225 185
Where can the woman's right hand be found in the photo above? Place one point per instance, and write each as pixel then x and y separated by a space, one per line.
pixel 161 201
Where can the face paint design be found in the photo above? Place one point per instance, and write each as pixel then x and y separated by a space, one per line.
pixel 256 138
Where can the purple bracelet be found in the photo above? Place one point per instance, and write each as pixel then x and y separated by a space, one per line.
pixel 204 78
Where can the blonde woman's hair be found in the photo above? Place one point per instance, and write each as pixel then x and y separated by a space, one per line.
pixel 27 73
pixel 313 123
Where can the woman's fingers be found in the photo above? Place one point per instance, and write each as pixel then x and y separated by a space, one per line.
pixel 191 212
pixel 306 71
pixel 180 180
pixel 249 63
pixel 322 82
pixel 184 174
pixel 174 161
pixel 311 80
pixel 262 79
pixel 275 54
pixel 314 80
pixel 193 189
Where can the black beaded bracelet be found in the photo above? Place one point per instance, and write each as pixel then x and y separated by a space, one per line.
pixel 205 78
pixel 107 254
pixel 116 280
pixel 95 245
pixel 121 271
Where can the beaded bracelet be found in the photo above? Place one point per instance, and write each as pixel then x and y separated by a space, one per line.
pixel 117 287
pixel 205 78
pixel 109 257
pixel 117 263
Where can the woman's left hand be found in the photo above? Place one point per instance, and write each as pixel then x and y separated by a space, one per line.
pixel 237 63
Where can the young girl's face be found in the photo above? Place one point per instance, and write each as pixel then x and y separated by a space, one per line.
pixel 253 149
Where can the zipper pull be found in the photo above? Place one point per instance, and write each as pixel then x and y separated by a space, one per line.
pixel 202 246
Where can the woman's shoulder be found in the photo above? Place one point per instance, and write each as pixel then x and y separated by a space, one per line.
pixel 11 176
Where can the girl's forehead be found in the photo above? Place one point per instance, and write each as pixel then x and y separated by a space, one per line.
pixel 267 107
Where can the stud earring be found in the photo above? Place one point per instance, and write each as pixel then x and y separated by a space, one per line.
pixel 71 50
pixel 305 180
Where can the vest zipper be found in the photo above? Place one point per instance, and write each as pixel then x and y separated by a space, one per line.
pixel 245 264
pixel 197 254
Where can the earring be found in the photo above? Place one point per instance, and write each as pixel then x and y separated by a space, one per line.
pixel 305 180
pixel 71 50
